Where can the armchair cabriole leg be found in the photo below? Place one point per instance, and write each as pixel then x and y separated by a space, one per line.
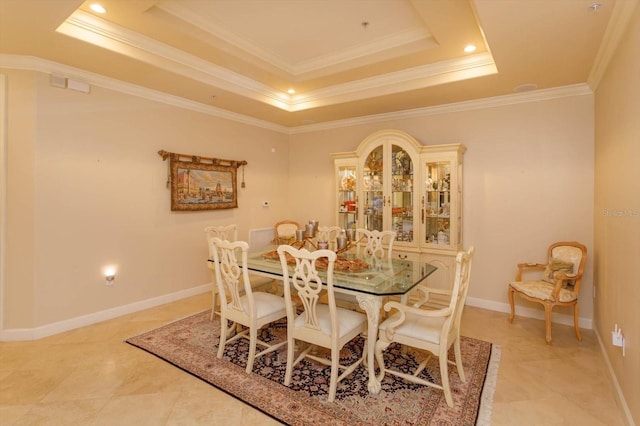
pixel 547 320
pixel 575 322
pixel 513 308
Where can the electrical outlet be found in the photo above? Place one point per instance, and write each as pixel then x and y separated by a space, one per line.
pixel 617 339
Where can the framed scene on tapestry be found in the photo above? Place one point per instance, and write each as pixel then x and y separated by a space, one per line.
pixel 202 186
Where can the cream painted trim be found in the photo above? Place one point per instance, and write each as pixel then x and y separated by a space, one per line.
pixel 3 193
pixel 614 381
pixel 73 323
pixel 622 12
pixel 41 65
pixel 414 78
pixel 91 29
pixel 492 305
pixel 494 102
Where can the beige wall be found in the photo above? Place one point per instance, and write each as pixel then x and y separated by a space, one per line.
pixel 18 303
pixel 86 189
pixel 617 211
pixel 528 181
pixel 99 195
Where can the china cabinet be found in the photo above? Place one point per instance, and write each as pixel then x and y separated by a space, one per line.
pixel 392 182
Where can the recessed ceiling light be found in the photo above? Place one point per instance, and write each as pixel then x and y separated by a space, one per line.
pixel 291 91
pixel 470 48
pixel 595 6
pixel 98 8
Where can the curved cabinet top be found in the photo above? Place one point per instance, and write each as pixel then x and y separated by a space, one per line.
pixel 397 136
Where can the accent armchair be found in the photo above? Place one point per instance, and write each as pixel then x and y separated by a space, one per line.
pixel 559 284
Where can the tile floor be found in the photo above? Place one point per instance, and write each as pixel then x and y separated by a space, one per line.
pixel 89 376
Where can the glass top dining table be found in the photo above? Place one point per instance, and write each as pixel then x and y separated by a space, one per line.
pixel 370 285
pixel 382 277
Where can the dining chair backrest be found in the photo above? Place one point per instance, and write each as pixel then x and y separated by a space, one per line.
pixel 224 232
pixel 300 271
pixel 372 243
pixel 329 234
pixel 232 277
pixel 464 259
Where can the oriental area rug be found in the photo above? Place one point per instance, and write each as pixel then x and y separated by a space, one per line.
pixel 191 344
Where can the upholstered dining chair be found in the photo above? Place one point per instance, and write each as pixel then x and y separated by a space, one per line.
pixel 372 243
pixel 252 310
pixel 285 231
pixel 324 325
pixel 434 331
pixel 559 284
pixel 329 234
pixel 230 233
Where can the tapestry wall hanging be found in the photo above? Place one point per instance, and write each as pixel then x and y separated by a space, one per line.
pixel 202 183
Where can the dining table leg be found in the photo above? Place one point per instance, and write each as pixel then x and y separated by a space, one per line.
pixel 371 305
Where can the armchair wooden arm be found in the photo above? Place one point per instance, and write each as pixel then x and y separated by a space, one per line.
pixel 403 310
pixel 527 266
pixel 560 279
pixel 426 294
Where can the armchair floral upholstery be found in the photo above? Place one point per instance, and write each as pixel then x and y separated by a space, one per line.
pixel 285 231
pixel 558 284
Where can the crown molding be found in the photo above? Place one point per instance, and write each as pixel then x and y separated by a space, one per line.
pixel 493 102
pixel 413 78
pixel 48 67
pixel 620 17
pixel 91 29
pixel 36 64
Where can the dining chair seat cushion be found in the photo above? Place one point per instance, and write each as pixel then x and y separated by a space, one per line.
pixel 266 303
pixel 542 290
pixel 416 327
pixel 349 320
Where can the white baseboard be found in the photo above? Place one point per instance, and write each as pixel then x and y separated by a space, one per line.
pixel 614 381
pixel 20 334
pixel 73 323
pixel 492 305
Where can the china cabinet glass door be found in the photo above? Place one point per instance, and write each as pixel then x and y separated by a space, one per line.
pixel 388 191
pixel 401 194
pixel 438 203
pixel 347 199
pixel 374 197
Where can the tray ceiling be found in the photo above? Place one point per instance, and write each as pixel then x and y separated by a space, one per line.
pixel 343 58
